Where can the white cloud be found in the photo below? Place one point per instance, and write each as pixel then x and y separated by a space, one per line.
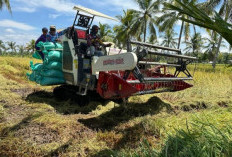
pixel 64 6
pixel 19 38
pixel 53 16
pixel 105 21
pixel 25 9
pixel 9 30
pixel 116 4
pixel 14 24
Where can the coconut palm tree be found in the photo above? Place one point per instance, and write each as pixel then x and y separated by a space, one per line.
pixel 169 38
pixel 212 45
pixel 171 18
pixel 21 50
pixel 31 46
pixel 195 44
pixel 5 3
pixel 145 18
pixel 226 58
pixel 123 32
pixel 105 32
pixel 225 12
pixel 202 18
pixel 2 47
pixel 12 46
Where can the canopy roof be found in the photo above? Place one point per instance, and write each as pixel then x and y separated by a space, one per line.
pixel 93 12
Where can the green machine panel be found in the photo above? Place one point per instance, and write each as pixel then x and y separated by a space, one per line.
pixel 67 57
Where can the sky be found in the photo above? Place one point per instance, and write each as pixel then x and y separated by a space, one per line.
pixel 30 16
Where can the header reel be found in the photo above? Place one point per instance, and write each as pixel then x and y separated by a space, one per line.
pixel 143 49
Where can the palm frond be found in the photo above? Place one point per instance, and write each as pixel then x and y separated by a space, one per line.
pixel 165 17
pixel 168 24
pixel 152 31
pixel 141 4
pixel 6 3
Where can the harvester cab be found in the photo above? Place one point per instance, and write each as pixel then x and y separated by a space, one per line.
pixel 120 75
pixel 77 60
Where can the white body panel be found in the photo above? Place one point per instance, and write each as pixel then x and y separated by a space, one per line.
pixel 125 61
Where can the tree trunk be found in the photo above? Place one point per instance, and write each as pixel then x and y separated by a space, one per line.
pixel 181 30
pixel 145 29
pixel 220 40
pixel 128 45
pixel 217 52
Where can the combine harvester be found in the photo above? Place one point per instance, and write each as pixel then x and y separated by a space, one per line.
pixel 121 75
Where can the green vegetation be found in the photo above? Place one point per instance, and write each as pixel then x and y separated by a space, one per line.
pixel 142 25
pixel 199 16
pixel 5 3
pixel 194 122
pixel 10 48
pixel 204 15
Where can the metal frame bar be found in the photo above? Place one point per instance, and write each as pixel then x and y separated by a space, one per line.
pixel 75 18
pixel 151 92
pixel 171 55
pixel 160 79
pixel 157 63
pixel 91 21
pixel 155 46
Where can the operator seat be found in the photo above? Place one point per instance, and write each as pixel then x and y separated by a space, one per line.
pixel 80 41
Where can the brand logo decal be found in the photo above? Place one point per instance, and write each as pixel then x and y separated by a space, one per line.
pixel 113 61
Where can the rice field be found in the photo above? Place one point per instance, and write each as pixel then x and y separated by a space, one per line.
pixel 193 122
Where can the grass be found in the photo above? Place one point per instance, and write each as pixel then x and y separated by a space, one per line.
pixel 193 122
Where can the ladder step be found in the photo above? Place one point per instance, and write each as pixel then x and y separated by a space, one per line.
pixel 160 79
pixel 82 89
pixel 157 63
pixel 171 55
